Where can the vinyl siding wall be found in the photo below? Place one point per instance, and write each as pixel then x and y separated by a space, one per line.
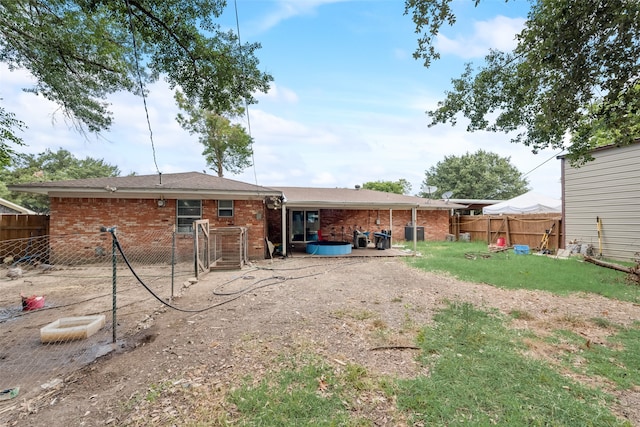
pixel 608 188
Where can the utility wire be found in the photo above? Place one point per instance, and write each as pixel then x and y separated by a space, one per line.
pixel 246 105
pixel 139 75
pixel 549 159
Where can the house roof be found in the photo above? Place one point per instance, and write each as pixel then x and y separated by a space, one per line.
pixel 188 184
pixel 604 148
pixel 7 207
pixel 203 186
pixel 349 198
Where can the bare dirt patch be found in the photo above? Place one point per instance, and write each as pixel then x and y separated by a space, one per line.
pixel 358 311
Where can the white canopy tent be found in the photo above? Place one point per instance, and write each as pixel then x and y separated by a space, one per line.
pixel 527 203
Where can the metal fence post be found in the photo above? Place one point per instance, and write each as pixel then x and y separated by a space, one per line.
pixel 114 276
pixel 173 258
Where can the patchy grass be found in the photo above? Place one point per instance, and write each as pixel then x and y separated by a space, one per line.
pixel 307 392
pixel 480 377
pixel 510 271
pixel 616 359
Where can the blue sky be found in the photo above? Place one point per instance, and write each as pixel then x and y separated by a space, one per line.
pixel 347 104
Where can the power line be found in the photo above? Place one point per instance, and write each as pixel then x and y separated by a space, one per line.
pixel 246 106
pixel 139 75
pixel 550 158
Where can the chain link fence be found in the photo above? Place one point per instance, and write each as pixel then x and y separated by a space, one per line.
pixel 57 300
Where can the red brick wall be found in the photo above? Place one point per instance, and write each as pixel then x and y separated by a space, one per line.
pixel 246 213
pixel 338 224
pixel 435 223
pixel 135 216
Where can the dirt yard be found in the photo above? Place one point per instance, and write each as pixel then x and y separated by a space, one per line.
pixel 328 306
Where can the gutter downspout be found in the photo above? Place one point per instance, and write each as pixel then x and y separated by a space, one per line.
pixel 284 229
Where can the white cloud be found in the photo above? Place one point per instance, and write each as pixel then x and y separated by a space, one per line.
pixel 278 93
pixel 286 9
pixel 497 33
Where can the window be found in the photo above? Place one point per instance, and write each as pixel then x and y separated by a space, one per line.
pixel 225 208
pixel 187 212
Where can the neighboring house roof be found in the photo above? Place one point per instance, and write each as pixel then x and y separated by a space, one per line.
pixel 527 203
pixel 348 198
pixel 473 204
pixel 170 185
pixel 485 202
pixel 604 148
pixel 7 207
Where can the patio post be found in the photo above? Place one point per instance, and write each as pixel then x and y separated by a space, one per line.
pixel 414 219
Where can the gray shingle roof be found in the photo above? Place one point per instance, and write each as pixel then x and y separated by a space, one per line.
pixel 170 183
pixel 201 185
pixel 357 199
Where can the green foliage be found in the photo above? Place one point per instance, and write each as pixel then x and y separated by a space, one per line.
pixel 226 146
pixel 603 131
pixel 573 71
pixel 401 186
pixel 506 270
pixel 81 51
pixel 478 376
pixel 48 166
pixel 8 123
pixel 481 175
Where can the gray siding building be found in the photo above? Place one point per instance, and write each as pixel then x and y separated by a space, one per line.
pixel 607 188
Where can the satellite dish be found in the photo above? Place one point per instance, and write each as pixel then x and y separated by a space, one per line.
pixel 447 195
pixel 429 189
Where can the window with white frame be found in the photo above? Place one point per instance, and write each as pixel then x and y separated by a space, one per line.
pixel 187 212
pixel 225 208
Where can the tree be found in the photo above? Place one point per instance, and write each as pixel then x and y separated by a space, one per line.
pixel 401 186
pixel 81 51
pixel 482 175
pixel 575 68
pixel 48 166
pixel 226 146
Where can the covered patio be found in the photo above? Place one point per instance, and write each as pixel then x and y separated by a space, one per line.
pixel 306 216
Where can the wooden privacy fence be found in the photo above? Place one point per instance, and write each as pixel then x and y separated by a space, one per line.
pixel 515 229
pixel 22 226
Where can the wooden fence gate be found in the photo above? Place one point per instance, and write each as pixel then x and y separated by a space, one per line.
pixel 201 247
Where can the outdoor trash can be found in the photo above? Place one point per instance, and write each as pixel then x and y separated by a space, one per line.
pixel 382 240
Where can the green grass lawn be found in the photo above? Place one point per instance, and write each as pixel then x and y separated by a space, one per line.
pixel 471 261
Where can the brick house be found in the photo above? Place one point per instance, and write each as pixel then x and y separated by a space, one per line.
pixel 295 215
pixel 143 203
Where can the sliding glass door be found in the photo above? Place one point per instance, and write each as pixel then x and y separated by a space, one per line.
pixel 304 225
